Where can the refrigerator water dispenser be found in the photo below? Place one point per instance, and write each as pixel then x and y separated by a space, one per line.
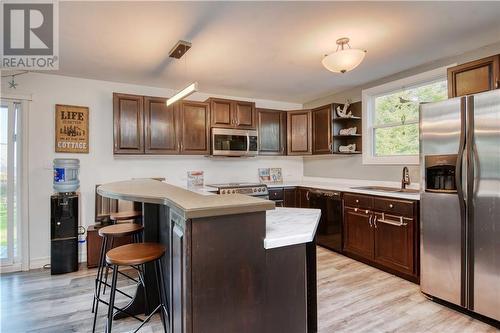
pixel 440 173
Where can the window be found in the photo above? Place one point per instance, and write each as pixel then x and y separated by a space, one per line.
pixel 391 113
pixel 9 182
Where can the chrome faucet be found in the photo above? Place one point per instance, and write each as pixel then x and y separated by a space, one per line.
pixel 405 180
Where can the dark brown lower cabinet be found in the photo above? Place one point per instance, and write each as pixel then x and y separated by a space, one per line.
pixel 303 198
pixel 393 240
pixel 358 232
pixel 290 197
pixel 383 232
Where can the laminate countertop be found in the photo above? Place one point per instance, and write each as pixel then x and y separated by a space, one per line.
pixel 189 203
pixel 290 226
pixel 350 186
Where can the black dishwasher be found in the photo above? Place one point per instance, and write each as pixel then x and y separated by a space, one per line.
pixel 329 232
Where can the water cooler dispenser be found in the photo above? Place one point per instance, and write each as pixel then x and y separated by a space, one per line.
pixel 64 233
pixel 64 217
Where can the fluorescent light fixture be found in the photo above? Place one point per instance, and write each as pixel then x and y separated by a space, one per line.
pixel 193 87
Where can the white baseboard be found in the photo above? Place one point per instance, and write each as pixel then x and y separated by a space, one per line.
pixel 36 263
pixel 11 268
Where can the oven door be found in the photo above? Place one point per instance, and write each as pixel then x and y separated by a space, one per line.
pixel 231 142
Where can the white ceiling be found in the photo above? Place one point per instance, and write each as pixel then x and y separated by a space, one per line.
pixel 264 50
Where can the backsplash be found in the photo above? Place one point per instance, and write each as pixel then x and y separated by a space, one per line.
pixel 351 167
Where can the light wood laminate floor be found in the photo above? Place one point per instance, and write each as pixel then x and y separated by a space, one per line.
pixel 352 297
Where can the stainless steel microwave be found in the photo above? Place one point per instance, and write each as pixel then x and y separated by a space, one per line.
pixel 233 142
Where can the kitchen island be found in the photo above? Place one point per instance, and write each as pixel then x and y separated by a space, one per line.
pixel 233 263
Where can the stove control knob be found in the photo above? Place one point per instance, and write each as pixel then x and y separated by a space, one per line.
pixel 222 191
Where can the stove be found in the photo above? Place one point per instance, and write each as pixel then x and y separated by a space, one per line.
pixel 252 189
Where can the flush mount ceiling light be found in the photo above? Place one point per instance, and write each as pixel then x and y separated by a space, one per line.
pixel 177 52
pixel 345 59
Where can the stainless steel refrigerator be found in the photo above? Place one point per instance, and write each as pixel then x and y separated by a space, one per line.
pixel 460 201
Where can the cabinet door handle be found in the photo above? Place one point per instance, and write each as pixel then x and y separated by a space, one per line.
pixel 357 201
pixel 307 195
pixel 370 220
pixel 374 221
pixel 399 223
pixel 391 206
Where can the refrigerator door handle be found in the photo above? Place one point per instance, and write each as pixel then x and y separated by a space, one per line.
pixel 463 149
pixel 460 159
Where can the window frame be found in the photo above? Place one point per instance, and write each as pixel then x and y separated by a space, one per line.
pixel 368 112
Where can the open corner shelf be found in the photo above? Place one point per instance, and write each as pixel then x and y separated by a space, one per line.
pixel 347 153
pixel 338 136
pixel 346 118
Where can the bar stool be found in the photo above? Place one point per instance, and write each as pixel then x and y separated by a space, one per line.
pixel 125 215
pixel 138 254
pixel 115 218
pixel 108 234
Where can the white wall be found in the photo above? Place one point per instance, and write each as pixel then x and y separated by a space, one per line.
pixel 100 165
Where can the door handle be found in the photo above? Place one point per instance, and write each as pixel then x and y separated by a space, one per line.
pixel 248 143
pixel 307 195
pixel 399 223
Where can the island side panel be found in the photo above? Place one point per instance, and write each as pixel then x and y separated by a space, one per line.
pixel 180 310
pixel 312 287
pixel 228 273
pixel 286 306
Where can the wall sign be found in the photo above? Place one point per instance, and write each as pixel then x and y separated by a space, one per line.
pixel 72 129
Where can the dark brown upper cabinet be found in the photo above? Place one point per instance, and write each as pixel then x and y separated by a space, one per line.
pixel 145 125
pixel 160 127
pixel 194 128
pixel 299 132
pixel 228 113
pixel 474 77
pixel 322 130
pixel 128 124
pixel 272 131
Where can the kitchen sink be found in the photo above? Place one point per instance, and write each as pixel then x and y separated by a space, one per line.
pixel 386 189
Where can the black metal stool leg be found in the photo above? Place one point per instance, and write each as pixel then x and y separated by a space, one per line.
pixel 112 298
pixel 158 286
pixel 163 292
pixel 99 267
pixel 107 267
pixel 97 293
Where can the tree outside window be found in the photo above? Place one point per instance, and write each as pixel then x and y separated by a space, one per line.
pixel 395 121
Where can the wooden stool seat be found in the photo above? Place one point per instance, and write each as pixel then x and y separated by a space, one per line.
pixel 135 254
pixel 120 230
pixel 125 215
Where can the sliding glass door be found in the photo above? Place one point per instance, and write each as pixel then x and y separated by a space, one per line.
pixel 9 182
